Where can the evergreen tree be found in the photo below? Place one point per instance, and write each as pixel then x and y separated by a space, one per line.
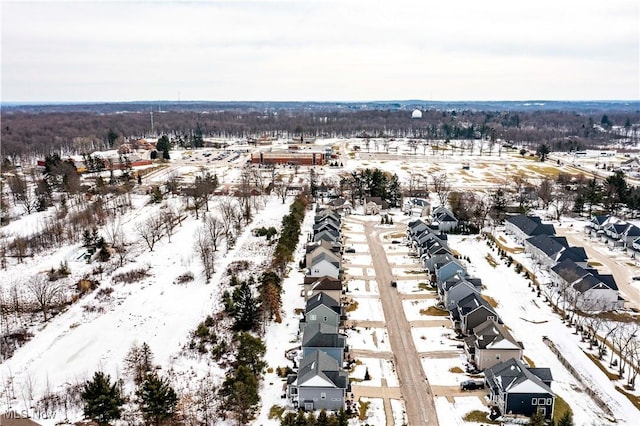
pixel 102 399
pixel 566 419
pixel 323 419
pixel 251 351
pixel 246 308
pixel 537 419
pixel 240 393
pixel 157 400
pixel 543 151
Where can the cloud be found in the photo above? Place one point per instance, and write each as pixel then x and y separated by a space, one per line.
pixel 320 50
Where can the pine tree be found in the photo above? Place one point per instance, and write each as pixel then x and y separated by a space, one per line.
pixel 250 352
pixel 246 308
pixel 102 399
pixel 323 419
pixel 240 393
pixel 537 419
pixel 566 419
pixel 157 400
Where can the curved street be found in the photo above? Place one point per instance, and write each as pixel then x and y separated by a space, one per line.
pixel 419 403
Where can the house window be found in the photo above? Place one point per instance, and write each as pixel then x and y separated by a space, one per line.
pixel 534 401
pixel 312 317
pixel 323 395
pixel 549 401
pixel 325 319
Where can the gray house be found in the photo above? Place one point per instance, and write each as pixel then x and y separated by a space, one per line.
pixel 523 227
pixel 320 383
pixel 321 309
pixel 470 312
pixel 516 389
pixel 548 250
pixel 444 219
pixel 490 343
pixel 325 338
pixel 324 264
pixel 451 293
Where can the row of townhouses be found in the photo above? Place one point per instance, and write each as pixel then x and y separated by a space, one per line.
pixel 514 388
pixel 583 287
pixel 616 233
pixel 321 380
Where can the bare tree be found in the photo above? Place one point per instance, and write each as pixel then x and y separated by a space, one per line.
pixel 441 186
pixel 204 247
pixel 215 228
pixel 23 195
pixel 116 238
pixel 545 192
pixel 150 230
pixel 46 293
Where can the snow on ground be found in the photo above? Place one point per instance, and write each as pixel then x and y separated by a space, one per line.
pixel 359 258
pixel 399 412
pixel 378 369
pixel 401 259
pixel 75 343
pixel 438 370
pixel 411 285
pixel 359 288
pixel 368 338
pixel 530 319
pixel 280 337
pixel 374 414
pixel 412 309
pixel 368 309
pixel 434 339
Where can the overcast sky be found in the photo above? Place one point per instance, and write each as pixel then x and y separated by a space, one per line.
pixel 319 50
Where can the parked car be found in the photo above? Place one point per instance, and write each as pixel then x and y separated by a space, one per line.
pixel 472 385
pixel 395 241
pixel 349 250
pixel 394 284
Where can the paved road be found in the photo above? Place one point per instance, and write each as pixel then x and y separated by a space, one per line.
pixel 620 272
pixel 414 387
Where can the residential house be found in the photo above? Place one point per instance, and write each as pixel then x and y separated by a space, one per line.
pixel 417 207
pixel 549 250
pixel 451 292
pixel 372 205
pixel 490 343
pixel 330 286
pixel 449 269
pixel 585 288
pixel 523 227
pixel 327 235
pixel 518 390
pixel 470 312
pixel 326 338
pixel 444 219
pixel 322 309
pixel 322 248
pixel 320 383
pixel 324 264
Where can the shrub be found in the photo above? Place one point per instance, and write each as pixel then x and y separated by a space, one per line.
pixel 131 276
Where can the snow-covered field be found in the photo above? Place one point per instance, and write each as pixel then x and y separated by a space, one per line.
pixel 96 332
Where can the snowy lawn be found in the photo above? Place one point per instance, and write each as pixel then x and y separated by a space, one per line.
pixel 367 309
pixel 434 339
pixel 369 338
pixel 359 288
pixel 378 369
pixel 374 414
pixel 438 370
pixel 412 309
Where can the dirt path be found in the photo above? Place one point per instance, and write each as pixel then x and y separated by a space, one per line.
pixel 414 387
